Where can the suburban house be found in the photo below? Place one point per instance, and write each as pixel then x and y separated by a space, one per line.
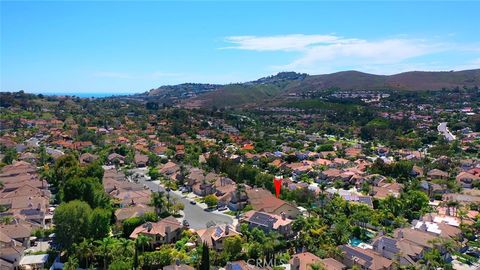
pixel 167 230
pixel 437 174
pixel 417 237
pixel 215 235
pixel 201 183
pixel 401 250
pixel 466 179
pixel 140 159
pixel 18 234
pixel 365 258
pixel 268 222
pixel 262 200
pixel 133 211
pixel 303 261
pixel 87 158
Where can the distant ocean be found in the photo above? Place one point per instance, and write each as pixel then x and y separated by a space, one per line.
pixel 86 95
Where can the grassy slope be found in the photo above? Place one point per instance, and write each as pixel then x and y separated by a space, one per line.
pixel 239 95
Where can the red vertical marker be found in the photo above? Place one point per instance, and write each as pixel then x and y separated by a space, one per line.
pixel 277 181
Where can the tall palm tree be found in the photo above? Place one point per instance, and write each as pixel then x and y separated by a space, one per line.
pixel 85 251
pixel 462 214
pixel 142 241
pixel 158 201
pixel 240 190
pixel 125 246
pixel 104 248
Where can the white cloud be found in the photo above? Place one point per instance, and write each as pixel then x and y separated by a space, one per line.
pixel 279 43
pixel 326 53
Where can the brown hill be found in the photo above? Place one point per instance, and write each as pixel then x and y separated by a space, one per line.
pixel 287 84
pixel 412 81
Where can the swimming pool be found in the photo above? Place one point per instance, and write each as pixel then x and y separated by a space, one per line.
pixel 354 242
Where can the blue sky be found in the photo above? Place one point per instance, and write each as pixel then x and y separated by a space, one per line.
pixel 128 47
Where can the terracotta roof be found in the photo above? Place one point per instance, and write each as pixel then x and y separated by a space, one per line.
pixel 332 264
pixel 304 260
pixel 437 173
pixel 178 267
pixel 262 200
pixel 264 219
pixel 415 236
pixel 366 258
pixel 157 228
pixel 216 232
pixel 133 211
pixel 16 231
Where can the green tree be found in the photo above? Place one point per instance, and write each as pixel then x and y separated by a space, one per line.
pixel 153 173
pixel 141 242
pixel 158 259
pixel 104 249
pixel 71 264
pixel 125 247
pixel 211 200
pixel 99 223
pixel 159 201
pixel 84 251
pixel 71 223
pixel 205 261
pixel 94 170
pixel 232 246
pixel 85 189
pixel 65 168
pixel 10 155
pixel 120 265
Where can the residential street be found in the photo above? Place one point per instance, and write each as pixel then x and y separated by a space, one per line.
pixel 196 216
pixel 442 127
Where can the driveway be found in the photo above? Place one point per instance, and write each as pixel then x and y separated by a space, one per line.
pixel 194 214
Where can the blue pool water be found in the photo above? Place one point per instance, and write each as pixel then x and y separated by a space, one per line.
pixel 355 242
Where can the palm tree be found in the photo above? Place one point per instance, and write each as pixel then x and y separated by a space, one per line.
pixel 105 248
pixel 84 250
pixel 462 214
pixel 125 246
pixel 142 241
pixel 158 201
pixel 71 264
pixel 239 192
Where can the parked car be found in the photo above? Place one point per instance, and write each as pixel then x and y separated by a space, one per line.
pixel 193 202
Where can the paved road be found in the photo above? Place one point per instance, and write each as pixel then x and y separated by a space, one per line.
pixel 194 214
pixel 442 127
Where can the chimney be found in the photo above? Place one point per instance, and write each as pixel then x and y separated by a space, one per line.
pixel 400 234
pixel 148 226
pixel 229 266
pixel 227 229
pixel 296 263
pixel 284 217
pixel 177 262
